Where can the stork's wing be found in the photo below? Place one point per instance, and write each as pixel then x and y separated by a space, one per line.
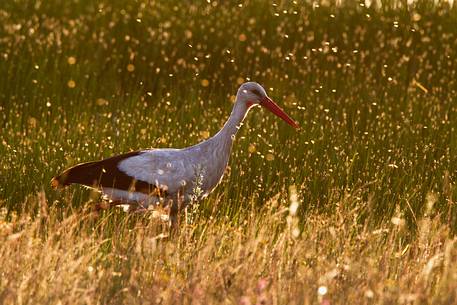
pixel 168 169
pixel 105 173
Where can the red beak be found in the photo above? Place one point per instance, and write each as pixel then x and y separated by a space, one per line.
pixel 270 105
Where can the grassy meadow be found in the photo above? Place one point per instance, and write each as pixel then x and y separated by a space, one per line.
pixel 358 206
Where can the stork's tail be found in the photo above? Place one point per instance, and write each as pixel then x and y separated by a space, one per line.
pixel 61 180
pixel 55 182
pixel 84 173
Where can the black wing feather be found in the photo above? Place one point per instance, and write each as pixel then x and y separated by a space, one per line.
pixel 104 173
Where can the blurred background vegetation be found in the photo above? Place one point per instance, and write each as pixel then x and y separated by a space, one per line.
pixel 373 87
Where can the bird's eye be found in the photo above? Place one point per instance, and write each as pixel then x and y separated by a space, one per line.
pixel 256 92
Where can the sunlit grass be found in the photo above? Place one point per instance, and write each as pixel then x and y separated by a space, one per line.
pixel 374 90
pixel 265 259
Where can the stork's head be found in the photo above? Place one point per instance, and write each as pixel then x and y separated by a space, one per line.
pixel 251 93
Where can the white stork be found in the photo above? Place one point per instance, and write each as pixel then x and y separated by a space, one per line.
pixel 170 177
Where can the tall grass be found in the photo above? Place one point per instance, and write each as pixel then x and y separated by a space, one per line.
pixel 265 259
pixel 373 87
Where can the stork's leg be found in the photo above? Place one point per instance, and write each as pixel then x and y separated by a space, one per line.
pixel 176 207
pixel 174 217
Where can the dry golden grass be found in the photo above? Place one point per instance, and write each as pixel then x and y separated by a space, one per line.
pixel 76 257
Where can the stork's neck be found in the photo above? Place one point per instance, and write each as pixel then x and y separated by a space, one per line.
pixel 214 153
pixel 233 123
